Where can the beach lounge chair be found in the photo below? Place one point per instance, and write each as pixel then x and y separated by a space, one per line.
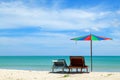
pixel 77 62
pixel 59 64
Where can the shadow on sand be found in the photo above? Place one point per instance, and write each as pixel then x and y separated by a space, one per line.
pixel 60 72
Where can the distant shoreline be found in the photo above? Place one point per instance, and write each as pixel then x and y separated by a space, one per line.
pixel 56 55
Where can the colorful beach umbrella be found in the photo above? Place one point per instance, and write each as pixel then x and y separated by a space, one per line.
pixel 90 38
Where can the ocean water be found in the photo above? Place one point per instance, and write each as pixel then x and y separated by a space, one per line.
pixel 44 63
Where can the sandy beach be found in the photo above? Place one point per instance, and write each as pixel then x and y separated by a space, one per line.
pixel 45 75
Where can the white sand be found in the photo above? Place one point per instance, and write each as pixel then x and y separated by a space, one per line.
pixel 45 75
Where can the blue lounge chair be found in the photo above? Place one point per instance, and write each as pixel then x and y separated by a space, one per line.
pixel 59 64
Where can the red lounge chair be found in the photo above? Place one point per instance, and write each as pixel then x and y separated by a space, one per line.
pixel 77 62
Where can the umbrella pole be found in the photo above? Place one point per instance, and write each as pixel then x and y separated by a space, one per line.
pixel 91 53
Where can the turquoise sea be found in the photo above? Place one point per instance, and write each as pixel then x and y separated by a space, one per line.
pixel 44 63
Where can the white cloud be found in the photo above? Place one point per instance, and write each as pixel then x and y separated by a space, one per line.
pixel 116 34
pixel 118 12
pixel 45 38
pixel 16 14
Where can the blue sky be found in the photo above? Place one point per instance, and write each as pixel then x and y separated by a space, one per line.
pixel 45 27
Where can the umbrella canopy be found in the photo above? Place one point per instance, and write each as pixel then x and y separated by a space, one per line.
pixel 90 38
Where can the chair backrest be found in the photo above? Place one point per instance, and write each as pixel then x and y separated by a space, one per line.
pixel 59 63
pixel 77 61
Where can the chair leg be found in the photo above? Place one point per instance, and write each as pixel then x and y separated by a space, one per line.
pixel 76 69
pixel 87 69
pixel 80 69
pixel 52 69
pixel 62 69
pixel 69 70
